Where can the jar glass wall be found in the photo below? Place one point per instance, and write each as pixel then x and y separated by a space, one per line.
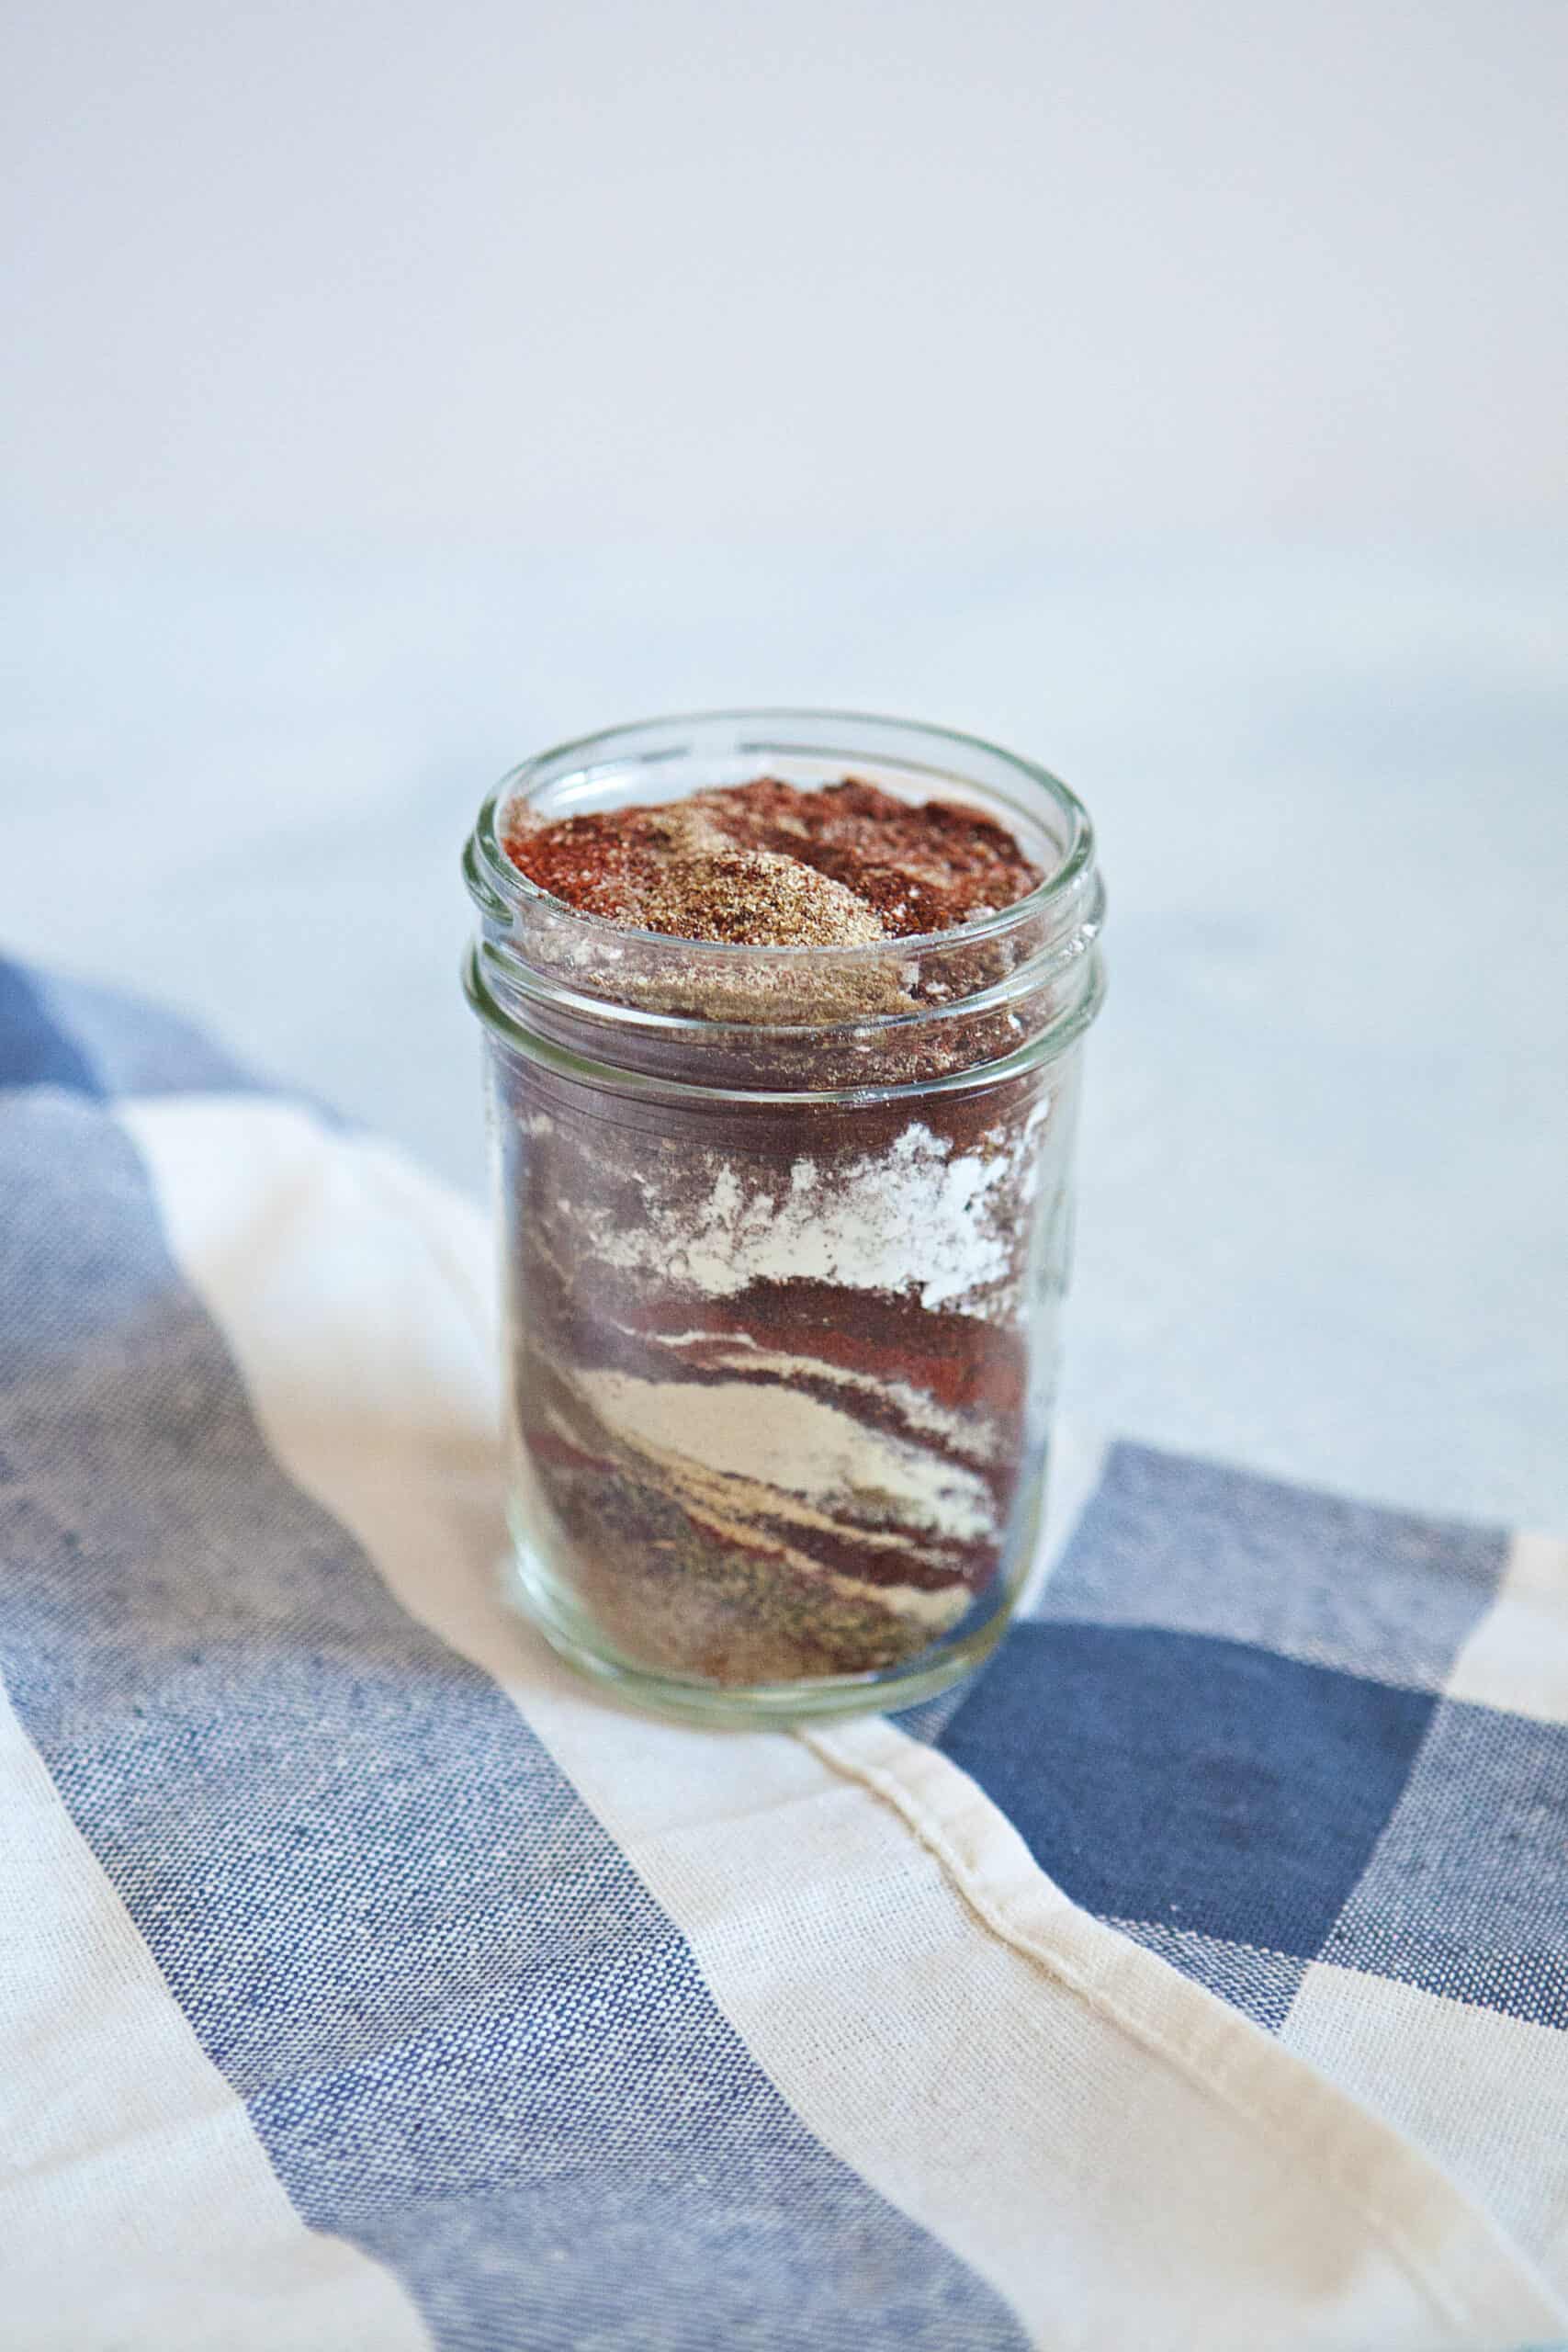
pixel 784 1241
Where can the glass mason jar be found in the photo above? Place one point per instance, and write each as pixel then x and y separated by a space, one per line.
pixel 785 1235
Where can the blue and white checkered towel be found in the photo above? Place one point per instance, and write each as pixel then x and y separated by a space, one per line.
pixel 1199 1978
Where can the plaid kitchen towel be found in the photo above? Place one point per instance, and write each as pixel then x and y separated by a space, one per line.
pixel 1198 1977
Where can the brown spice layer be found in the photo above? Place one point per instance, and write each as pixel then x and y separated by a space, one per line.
pixel 769 864
pixel 866 1542
pixel 699 1573
pixel 674 1596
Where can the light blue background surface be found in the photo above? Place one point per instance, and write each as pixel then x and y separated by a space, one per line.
pixel 547 316
pixel 1324 1204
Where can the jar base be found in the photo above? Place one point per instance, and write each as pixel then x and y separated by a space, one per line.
pixel 575 1639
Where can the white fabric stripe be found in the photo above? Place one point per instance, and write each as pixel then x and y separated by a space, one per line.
pixel 1123 2157
pixel 1484 2094
pixel 1517 1657
pixel 1302 2114
pixel 137 2206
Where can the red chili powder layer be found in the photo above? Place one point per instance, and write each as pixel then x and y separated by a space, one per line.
pixel 772 864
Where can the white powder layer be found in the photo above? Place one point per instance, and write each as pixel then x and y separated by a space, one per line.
pixel 774 1437
pixel 934 1609
pixel 909 1216
pixel 738 1352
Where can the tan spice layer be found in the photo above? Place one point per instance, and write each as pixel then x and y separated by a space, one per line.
pixel 772 864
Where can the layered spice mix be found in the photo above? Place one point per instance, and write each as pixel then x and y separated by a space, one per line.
pixel 778 1413
pixel 772 864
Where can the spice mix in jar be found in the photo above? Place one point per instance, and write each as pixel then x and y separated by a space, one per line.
pixel 785 1016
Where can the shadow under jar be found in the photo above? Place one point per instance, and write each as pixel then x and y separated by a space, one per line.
pixel 786 1234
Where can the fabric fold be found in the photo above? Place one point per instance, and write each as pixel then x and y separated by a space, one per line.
pixel 1118 2155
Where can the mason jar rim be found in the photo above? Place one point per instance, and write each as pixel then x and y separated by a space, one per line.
pixel 1050 1044
pixel 503 890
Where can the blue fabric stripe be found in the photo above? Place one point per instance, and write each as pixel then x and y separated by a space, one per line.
pixel 1201 1548
pixel 1261 1984
pixel 469 2040
pixel 1467 1894
pixel 34 1049
pixel 1201 1785
pixel 137 1048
